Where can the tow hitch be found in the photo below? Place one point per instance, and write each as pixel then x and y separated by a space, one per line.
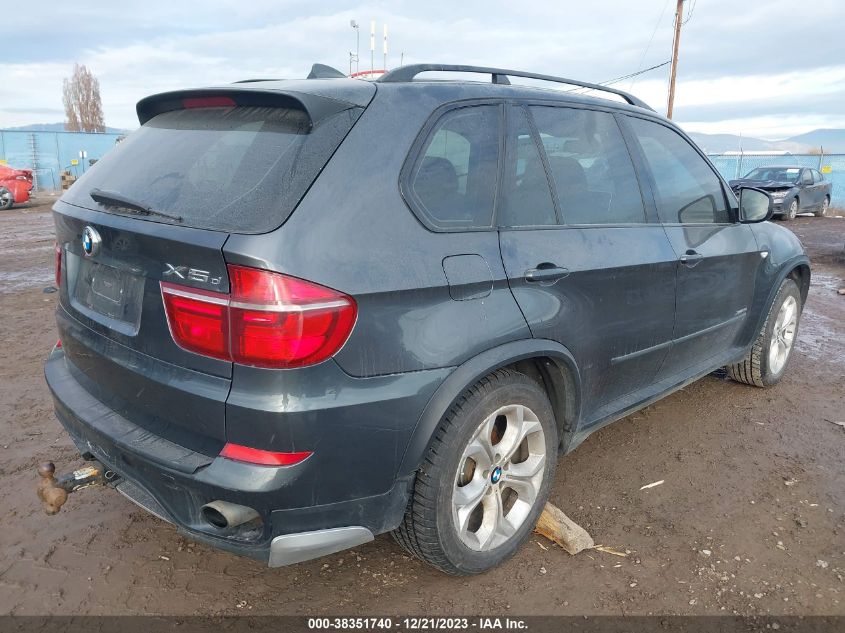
pixel 53 491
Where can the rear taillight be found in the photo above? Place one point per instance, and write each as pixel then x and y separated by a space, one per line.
pixel 58 266
pixel 267 320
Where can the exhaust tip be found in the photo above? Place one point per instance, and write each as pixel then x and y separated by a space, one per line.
pixel 214 517
pixel 223 515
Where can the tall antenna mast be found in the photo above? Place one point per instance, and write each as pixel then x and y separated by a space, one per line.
pixel 372 47
pixel 385 49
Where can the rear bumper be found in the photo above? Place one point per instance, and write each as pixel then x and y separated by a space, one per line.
pixel 174 482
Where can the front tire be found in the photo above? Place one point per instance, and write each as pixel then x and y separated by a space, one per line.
pixel 792 210
pixel 766 362
pixel 486 477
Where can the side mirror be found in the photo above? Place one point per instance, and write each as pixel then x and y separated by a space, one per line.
pixel 755 205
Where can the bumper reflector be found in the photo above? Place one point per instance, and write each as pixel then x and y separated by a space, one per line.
pixel 250 455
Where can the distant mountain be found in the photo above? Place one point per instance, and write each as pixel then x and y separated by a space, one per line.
pixel 56 127
pixel 832 140
pixel 720 143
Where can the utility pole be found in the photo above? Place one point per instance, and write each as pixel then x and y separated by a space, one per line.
pixel 679 14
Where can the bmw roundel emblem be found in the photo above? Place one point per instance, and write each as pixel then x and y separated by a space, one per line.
pixel 496 475
pixel 90 241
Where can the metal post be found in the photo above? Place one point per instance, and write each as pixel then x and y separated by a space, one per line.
pixel 821 156
pixel 739 165
pixel 33 148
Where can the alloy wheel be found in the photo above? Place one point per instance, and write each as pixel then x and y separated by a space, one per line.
pixel 499 477
pixel 783 335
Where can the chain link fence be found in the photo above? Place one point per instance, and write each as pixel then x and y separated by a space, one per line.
pixel 733 166
pixel 48 154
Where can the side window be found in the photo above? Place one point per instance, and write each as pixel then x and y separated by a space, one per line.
pixel 590 166
pixel 806 177
pixel 817 177
pixel 687 189
pixel 453 182
pixel 527 199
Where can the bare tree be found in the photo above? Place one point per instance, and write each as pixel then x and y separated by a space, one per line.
pixel 83 107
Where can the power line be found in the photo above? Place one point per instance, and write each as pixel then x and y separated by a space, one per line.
pixel 622 78
pixel 651 39
pixel 691 9
pixel 634 74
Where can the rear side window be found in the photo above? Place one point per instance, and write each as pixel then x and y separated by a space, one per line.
pixel 527 199
pixel 452 182
pixel 687 189
pixel 590 166
pixel 235 169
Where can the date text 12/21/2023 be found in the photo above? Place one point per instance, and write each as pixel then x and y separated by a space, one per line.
pixel 418 623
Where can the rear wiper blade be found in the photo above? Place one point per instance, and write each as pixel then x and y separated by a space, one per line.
pixel 114 199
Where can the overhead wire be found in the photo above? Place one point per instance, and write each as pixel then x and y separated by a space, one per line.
pixel 650 40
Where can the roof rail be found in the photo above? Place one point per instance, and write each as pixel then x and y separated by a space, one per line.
pixel 500 76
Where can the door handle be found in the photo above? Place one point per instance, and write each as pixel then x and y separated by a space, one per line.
pixel 545 273
pixel 691 258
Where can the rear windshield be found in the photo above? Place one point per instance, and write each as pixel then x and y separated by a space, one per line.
pixel 234 169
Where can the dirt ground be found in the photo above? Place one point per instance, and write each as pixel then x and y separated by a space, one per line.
pixel 750 519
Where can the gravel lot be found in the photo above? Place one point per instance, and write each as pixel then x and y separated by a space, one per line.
pixel 750 519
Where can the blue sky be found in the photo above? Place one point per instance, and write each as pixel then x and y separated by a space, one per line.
pixel 769 68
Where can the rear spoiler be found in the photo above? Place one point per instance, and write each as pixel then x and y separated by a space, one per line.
pixel 317 107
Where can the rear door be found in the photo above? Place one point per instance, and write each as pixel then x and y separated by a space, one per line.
pixel 158 209
pixel 585 263
pixel 717 258
pixel 808 190
pixel 817 188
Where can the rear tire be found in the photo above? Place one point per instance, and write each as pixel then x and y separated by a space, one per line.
pixel 6 199
pixel 791 210
pixel 769 356
pixel 822 212
pixel 486 476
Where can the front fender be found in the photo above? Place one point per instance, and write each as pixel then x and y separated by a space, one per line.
pixel 473 370
pixel 785 255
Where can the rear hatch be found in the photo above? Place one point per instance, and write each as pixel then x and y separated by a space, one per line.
pixel 159 208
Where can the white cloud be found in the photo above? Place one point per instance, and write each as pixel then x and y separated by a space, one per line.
pixel 736 67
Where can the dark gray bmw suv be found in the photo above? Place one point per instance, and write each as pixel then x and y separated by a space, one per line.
pixel 297 314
